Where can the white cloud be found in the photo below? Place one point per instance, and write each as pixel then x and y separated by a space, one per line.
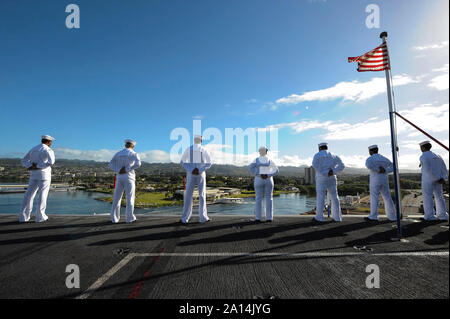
pixel 428 117
pixel 440 82
pixel 299 127
pixel 434 46
pixel 349 91
pixel 358 131
pixel 105 155
pixel 293 160
pixel 102 155
pixel 443 69
pixel 409 161
pixel 414 144
pixel 155 156
pixel 218 154
pixel 354 161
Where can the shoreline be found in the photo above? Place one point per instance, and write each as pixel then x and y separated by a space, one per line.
pixel 179 203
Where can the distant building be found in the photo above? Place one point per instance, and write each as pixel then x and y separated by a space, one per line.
pixel 2 169
pixel 149 188
pixel 229 190
pixel 310 175
pixel 212 194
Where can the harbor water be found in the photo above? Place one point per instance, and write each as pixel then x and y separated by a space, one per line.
pixel 85 203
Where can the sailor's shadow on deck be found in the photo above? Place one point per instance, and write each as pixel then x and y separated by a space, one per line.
pixel 80 235
pixel 264 230
pixel 9 223
pixel 408 230
pixel 180 232
pixel 438 239
pixel 318 234
pixel 32 226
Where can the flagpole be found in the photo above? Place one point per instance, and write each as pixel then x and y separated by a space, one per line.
pixel 394 144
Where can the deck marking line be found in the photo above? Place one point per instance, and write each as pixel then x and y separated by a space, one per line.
pixel 106 276
pixel 96 285
pixel 310 254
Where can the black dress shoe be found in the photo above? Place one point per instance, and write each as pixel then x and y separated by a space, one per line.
pixel 367 219
pixel 269 221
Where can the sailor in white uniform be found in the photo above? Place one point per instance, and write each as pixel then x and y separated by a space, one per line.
pixel 124 163
pixel 38 161
pixel 263 169
pixel 195 160
pixel 434 175
pixel 379 167
pixel 327 165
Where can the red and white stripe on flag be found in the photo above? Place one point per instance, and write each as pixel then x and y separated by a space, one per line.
pixel 375 60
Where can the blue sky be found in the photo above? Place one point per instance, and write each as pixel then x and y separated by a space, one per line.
pixel 143 68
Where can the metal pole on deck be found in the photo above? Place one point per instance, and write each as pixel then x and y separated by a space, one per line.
pixel 394 144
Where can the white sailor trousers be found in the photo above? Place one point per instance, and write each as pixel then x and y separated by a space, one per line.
pixel 428 190
pixel 380 185
pixel 128 185
pixel 324 184
pixel 35 185
pixel 192 181
pixel 263 189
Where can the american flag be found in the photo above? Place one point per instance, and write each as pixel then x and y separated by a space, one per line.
pixel 375 60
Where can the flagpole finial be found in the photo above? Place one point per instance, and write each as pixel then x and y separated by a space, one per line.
pixel 383 35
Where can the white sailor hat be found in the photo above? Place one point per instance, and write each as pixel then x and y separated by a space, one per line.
pixel 47 137
pixel 323 144
pixel 425 143
pixel 131 141
pixel 198 136
pixel 371 147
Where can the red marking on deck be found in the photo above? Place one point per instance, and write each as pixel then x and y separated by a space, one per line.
pixel 137 289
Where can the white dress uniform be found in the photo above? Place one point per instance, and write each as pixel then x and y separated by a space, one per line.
pixel 195 156
pixel 379 183
pixel 433 168
pixel 130 160
pixel 40 179
pixel 263 187
pixel 323 161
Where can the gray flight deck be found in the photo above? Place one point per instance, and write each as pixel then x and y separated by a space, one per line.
pixel 229 257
